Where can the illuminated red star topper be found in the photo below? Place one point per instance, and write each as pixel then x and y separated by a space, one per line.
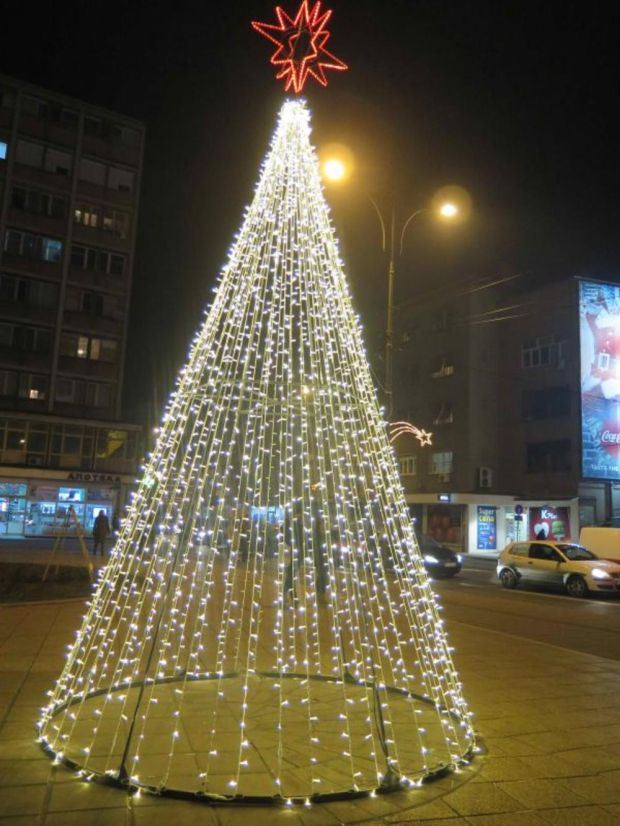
pixel 301 46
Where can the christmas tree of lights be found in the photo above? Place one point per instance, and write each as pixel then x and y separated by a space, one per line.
pixel 265 629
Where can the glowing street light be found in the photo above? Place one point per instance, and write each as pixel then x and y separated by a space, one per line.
pixel 450 203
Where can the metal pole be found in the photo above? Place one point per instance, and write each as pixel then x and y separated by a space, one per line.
pixel 389 331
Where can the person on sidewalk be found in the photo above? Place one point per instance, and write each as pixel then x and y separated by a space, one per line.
pixel 101 531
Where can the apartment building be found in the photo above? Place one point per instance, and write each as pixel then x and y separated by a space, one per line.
pixel 495 373
pixel 69 190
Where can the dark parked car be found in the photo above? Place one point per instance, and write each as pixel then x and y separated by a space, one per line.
pixel 439 561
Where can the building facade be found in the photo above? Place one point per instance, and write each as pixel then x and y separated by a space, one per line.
pixel 494 373
pixel 69 187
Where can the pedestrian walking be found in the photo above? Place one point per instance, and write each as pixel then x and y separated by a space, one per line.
pixel 101 531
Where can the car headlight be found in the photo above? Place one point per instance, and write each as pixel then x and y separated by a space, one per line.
pixel 430 558
pixel 459 558
pixel 599 573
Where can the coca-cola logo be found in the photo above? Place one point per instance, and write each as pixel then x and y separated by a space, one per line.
pixel 610 438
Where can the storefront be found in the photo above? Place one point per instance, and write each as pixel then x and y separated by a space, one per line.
pixel 35 507
pixel 473 523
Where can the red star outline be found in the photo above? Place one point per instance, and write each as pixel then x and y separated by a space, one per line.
pixel 293 69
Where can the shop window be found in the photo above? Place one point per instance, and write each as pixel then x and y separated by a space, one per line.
pixel 441 463
pixel 407 465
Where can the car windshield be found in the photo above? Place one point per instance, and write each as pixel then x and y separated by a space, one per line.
pixel 576 553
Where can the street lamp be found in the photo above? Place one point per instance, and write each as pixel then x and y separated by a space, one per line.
pixel 335 170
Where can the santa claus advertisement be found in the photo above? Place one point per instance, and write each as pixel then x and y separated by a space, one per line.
pixel 599 325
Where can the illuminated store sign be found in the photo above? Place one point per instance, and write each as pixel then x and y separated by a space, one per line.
pixel 599 326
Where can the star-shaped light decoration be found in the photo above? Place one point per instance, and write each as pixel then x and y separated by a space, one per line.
pixel 398 428
pixel 300 45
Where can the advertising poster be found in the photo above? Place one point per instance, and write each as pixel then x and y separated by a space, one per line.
pixel 550 523
pixel 487 528
pixel 599 329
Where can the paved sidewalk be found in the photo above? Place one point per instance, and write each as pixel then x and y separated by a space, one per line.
pixel 550 719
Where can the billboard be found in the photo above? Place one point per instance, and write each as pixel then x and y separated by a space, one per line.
pixel 599 330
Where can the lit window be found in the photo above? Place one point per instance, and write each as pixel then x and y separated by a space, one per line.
pixel 82 347
pixel 52 250
pixel 441 463
pixel 3 150
pixel 407 465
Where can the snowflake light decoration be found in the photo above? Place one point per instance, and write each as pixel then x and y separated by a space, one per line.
pixel 300 45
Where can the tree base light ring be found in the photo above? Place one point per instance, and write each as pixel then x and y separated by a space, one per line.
pixel 119 777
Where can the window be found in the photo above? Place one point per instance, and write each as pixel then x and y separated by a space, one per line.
pixel 82 347
pixel 407 465
pixel 98 394
pixel 116 222
pixel 32 386
pixel 57 162
pixel 41 203
pixel 441 463
pixel 6 335
pixel 28 291
pixel 93 126
pixel 30 154
pixel 3 150
pixel 33 246
pixel 8 383
pixel 70 391
pixel 92 172
pixel 92 303
pixel 548 403
pixel 32 339
pixel 443 368
pixel 543 351
pixel 120 179
pixel 50 111
pixel 87 258
pixel 443 414
pixel 124 135
pixel 87 216
pixel 7 98
pixel 549 457
pixel 545 552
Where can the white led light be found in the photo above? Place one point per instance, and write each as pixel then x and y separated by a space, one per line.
pixel 266 604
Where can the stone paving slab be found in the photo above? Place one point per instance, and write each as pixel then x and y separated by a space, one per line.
pixel 549 718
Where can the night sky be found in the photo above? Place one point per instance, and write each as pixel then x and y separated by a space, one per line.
pixel 514 101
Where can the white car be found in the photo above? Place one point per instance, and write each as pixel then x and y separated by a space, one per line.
pixel 560 563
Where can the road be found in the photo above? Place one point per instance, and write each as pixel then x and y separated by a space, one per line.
pixel 474 597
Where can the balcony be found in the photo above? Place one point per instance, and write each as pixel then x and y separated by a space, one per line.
pixel 39 362
pixel 82 411
pixel 41 177
pixel 32 266
pixel 24 219
pixel 88 323
pixel 98 280
pixel 99 237
pixel 21 311
pixel 87 368
pixel 109 151
pixel 48 131
pixel 115 197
